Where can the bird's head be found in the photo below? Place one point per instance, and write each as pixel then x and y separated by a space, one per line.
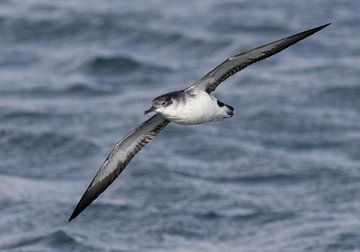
pixel 160 104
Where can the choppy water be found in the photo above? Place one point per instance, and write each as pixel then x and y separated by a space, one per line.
pixel 282 175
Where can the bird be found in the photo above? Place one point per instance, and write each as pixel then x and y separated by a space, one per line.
pixel 193 105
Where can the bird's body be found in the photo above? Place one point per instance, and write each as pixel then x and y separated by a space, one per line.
pixel 193 105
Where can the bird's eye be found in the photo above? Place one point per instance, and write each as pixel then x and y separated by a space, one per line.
pixel 163 103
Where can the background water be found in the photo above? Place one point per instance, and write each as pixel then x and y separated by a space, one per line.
pixel 282 175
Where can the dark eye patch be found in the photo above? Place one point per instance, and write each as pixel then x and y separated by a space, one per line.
pixel 169 101
pixel 220 104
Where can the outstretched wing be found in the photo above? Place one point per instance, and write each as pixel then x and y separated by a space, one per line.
pixel 240 61
pixel 118 158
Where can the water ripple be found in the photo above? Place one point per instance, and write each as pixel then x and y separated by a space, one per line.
pixel 281 175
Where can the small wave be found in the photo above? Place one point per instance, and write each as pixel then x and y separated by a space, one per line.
pixel 56 238
pixel 17 59
pixel 71 89
pixel 303 66
pixel 47 149
pixel 261 179
pixel 343 94
pixel 108 210
pixel 229 214
pixel 34 140
pixel 252 214
pixel 292 123
pixel 345 241
pixel 179 39
pixel 85 89
pixel 25 114
pixel 225 25
pixel 113 65
pixel 27 29
pixel 16 188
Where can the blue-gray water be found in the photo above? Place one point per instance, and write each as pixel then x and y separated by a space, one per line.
pixel 282 175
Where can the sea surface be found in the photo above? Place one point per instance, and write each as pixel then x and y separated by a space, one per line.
pixel 282 175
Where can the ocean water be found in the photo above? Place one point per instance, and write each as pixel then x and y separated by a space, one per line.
pixel 282 175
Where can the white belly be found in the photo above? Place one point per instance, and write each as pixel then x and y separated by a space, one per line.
pixel 199 108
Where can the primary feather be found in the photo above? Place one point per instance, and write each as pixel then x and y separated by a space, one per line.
pixel 240 61
pixel 118 158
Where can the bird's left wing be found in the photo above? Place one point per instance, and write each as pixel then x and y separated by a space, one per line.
pixel 118 158
pixel 238 62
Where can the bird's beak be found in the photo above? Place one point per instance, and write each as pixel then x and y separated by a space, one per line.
pixel 149 110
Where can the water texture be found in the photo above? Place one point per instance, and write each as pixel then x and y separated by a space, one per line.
pixel 282 175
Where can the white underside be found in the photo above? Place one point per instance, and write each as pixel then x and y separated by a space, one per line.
pixel 199 108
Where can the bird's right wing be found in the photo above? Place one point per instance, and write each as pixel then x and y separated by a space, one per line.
pixel 118 158
pixel 240 61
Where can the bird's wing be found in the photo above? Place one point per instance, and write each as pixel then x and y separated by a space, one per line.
pixel 240 61
pixel 118 158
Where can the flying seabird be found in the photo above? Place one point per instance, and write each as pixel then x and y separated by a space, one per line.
pixel 193 105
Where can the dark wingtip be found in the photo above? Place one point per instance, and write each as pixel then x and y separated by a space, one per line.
pixel 302 35
pixel 72 217
pixel 316 29
pixel 323 26
pixel 93 192
pixel 89 196
pixel 77 211
pixel 326 25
